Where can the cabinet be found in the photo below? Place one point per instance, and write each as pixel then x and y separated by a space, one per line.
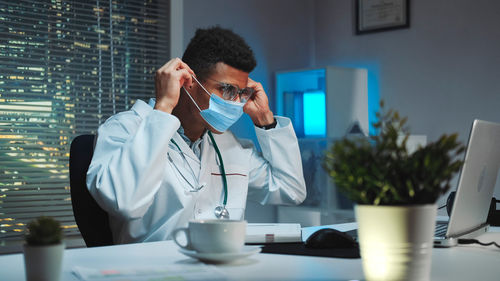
pixel 324 104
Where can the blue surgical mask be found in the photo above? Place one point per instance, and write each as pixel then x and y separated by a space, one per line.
pixel 220 114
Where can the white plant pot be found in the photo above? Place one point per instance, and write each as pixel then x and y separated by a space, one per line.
pixel 396 241
pixel 43 263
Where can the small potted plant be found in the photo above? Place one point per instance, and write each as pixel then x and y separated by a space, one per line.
pixel 395 192
pixel 43 250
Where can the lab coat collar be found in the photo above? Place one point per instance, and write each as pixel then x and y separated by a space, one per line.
pixel 186 150
pixel 152 102
pixel 142 108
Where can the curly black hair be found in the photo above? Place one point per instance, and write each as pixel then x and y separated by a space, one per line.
pixel 215 44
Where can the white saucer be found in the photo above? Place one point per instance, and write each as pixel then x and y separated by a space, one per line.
pixel 221 257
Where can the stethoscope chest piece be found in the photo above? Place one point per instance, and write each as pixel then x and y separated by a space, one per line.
pixel 221 212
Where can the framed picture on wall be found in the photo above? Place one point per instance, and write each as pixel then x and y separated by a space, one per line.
pixel 381 15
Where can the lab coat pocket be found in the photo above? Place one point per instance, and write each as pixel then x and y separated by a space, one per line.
pixel 237 184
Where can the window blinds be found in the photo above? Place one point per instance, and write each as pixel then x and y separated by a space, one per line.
pixel 66 66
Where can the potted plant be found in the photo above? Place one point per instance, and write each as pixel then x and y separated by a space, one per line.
pixel 43 250
pixel 395 192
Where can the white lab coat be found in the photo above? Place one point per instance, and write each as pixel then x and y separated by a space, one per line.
pixel 147 197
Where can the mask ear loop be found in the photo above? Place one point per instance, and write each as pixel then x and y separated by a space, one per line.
pixel 190 94
pixel 201 85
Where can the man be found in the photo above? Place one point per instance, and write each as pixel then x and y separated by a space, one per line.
pixel 157 166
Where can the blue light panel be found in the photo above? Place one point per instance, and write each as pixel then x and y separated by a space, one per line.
pixel 314 113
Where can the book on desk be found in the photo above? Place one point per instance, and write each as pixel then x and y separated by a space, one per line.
pixel 266 233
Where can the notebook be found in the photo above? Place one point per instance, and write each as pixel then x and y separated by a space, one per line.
pixel 475 188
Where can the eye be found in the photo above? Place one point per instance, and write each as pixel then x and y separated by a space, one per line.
pixel 228 91
pixel 247 92
pixel 225 87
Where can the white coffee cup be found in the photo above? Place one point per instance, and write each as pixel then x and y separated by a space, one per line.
pixel 213 236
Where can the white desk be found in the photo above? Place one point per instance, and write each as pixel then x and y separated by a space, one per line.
pixel 458 263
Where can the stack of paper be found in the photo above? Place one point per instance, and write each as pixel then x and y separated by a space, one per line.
pixel 259 233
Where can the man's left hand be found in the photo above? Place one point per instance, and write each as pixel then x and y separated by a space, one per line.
pixel 258 106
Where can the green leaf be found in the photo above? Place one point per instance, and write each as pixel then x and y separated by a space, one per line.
pixel 380 170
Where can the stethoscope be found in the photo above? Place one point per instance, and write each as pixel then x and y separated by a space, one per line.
pixel 220 211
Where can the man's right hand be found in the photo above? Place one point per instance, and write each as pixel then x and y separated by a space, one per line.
pixel 168 82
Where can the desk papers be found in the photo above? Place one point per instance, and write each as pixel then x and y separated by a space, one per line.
pixel 262 233
pixel 167 272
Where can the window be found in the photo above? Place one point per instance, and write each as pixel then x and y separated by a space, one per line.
pixel 66 66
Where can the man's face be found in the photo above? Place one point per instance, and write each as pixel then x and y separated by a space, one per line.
pixel 222 76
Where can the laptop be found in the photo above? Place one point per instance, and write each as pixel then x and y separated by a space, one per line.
pixel 475 188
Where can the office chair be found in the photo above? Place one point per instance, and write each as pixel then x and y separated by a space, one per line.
pixel 91 219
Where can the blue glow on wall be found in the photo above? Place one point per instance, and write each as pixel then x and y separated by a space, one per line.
pixel 373 96
pixel 314 108
pixel 294 102
pixel 291 89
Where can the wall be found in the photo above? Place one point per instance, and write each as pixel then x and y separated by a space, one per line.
pixel 442 72
pixel 279 32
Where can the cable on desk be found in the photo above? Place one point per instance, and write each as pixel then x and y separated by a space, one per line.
pixel 475 241
pixel 442 207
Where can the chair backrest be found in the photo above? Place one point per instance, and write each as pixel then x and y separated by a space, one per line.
pixel 91 219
